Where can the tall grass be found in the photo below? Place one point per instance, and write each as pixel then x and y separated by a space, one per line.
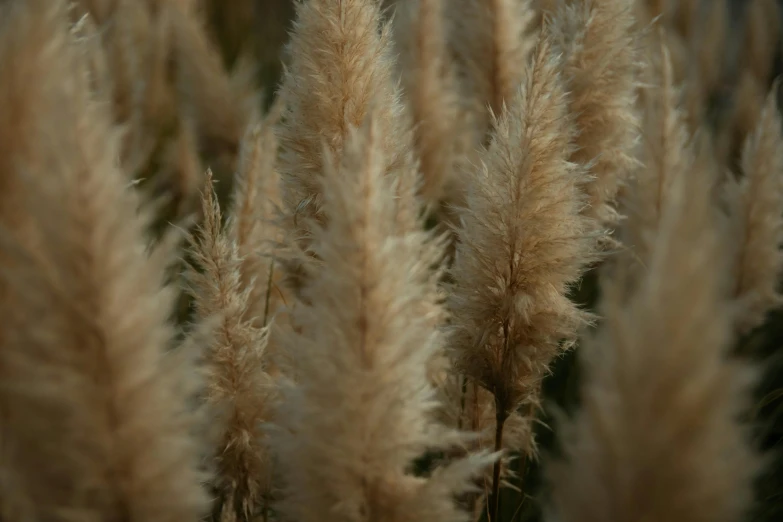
pixel 477 261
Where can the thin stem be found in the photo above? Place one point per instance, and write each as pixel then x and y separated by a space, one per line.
pixel 475 414
pixel 268 291
pixel 473 498
pixel 464 393
pixel 501 414
pixel 494 499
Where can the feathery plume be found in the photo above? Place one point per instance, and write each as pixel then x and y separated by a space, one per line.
pixel 97 419
pixel 741 117
pixel 658 435
pixel 666 156
pixel 238 387
pixel 137 45
pixel 523 242
pixel 166 82
pixel 598 41
pixel 253 223
pixel 492 41
pixel 341 67
pixel 361 410
pixel 756 201
pixel 26 99
pixel 441 134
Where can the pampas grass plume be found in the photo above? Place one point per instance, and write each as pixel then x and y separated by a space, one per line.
pixel 658 435
pixel 756 201
pixel 96 419
pixel 361 409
